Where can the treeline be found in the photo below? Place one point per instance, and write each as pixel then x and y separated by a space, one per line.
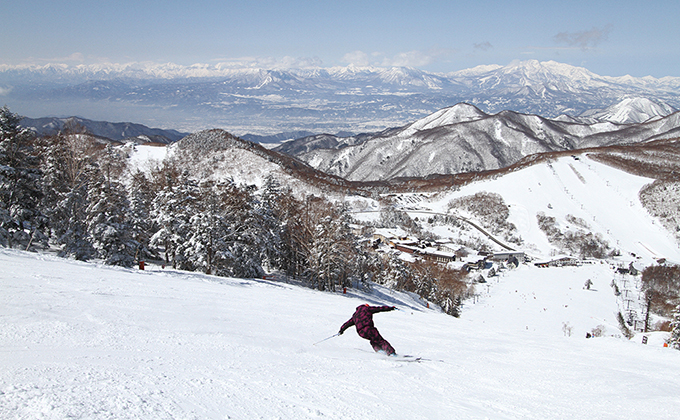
pixel 79 196
pixel 661 288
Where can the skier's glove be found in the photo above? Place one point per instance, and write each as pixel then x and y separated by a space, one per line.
pixel 340 332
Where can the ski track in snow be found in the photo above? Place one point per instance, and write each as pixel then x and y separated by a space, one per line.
pixel 87 341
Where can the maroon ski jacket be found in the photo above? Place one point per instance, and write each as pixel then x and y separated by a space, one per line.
pixel 363 318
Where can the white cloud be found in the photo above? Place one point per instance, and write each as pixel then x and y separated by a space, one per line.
pixel 285 62
pixel 583 39
pixel 483 46
pixel 357 58
pixel 409 59
pixel 414 58
pixel 78 57
pixel 73 58
pixel 5 90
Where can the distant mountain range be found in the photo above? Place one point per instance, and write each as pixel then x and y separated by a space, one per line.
pixel 462 138
pixel 321 100
pixel 454 140
pixel 118 132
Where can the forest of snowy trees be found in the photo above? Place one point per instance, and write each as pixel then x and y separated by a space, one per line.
pixel 71 193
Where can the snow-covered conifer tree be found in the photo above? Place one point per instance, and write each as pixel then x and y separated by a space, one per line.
pixel 107 213
pixel 269 208
pixel 108 226
pixel 69 166
pixel 674 340
pixel 22 224
pixel 205 249
pixel 245 234
pixel 392 272
pixel 288 213
pixel 140 196
pixel 172 209
pixel 324 243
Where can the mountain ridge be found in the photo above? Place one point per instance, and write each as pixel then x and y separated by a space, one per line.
pixel 461 139
pixel 630 111
pixel 114 131
pixel 353 99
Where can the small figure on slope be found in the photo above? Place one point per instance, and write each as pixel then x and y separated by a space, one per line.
pixel 363 320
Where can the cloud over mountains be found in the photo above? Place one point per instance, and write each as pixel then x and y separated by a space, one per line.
pixel 586 39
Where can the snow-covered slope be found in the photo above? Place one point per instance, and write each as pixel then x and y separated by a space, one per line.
pixel 218 155
pixel 464 139
pixel 604 200
pixel 630 111
pixel 85 341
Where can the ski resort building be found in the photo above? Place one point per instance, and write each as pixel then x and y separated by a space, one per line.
pixel 434 254
pixel 390 236
pixel 507 255
pixel 559 262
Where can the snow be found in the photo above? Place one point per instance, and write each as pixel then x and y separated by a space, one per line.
pixel 345 98
pixel 607 199
pixel 461 112
pixel 632 110
pixel 462 138
pixel 81 340
pixel 145 157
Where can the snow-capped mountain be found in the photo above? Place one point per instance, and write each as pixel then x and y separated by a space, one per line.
pixel 328 100
pixel 629 111
pixel 462 138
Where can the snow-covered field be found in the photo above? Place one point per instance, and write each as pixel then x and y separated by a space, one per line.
pixel 81 340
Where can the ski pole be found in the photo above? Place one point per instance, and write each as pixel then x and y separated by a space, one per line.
pixel 328 338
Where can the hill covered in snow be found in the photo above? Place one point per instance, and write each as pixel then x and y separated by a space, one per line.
pixel 623 194
pixel 583 196
pixel 81 340
pixel 462 138
pixel 630 111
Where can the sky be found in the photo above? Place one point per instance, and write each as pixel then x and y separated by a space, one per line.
pixel 611 38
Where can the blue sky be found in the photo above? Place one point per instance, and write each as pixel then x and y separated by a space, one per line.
pixel 612 38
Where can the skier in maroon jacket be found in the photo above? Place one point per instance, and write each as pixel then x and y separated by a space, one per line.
pixel 363 320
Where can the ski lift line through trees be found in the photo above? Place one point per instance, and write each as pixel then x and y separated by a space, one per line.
pixel 474 225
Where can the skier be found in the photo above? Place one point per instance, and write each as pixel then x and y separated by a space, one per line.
pixel 363 320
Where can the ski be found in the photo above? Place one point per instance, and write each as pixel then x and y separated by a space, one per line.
pixel 409 359
pixel 406 358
